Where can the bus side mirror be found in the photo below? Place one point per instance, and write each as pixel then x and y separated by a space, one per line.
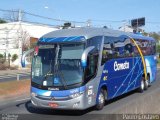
pixel 23 59
pixel 84 56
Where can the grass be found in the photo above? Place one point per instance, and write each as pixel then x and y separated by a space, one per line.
pixel 14 88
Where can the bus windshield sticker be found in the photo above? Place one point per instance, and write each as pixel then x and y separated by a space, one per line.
pixel 44 83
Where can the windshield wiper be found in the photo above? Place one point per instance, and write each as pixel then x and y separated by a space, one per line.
pixel 58 72
pixel 49 73
pixel 79 83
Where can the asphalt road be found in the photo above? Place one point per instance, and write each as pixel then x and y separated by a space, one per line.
pixel 133 102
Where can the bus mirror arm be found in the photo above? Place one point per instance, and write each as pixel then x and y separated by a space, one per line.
pixel 24 57
pixel 84 56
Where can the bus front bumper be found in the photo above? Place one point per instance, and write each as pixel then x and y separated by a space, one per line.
pixel 70 104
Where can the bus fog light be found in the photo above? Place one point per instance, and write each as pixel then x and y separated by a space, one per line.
pixel 75 105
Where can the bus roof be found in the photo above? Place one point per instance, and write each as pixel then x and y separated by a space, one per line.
pixel 139 36
pixel 86 33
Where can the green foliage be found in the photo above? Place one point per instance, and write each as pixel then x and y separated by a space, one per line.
pixel 2 21
pixel 14 57
pixel 158 49
pixel 145 34
pixel 155 35
pixel 2 60
pixel 1 56
pixel 159 61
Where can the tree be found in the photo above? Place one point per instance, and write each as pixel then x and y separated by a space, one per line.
pixel 14 57
pixel 2 21
pixel 158 48
pixel 155 35
pixel 1 56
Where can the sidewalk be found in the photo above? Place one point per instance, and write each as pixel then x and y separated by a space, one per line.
pixel 19 71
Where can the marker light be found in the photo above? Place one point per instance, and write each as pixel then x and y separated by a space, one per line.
pixel 36 50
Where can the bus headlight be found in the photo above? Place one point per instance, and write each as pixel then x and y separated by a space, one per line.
pixel 75 95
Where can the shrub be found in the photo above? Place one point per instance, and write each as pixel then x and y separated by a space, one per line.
pixel 2 60
pixel 14 57
pixel 1 56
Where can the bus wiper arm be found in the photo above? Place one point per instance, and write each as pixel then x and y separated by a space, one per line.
pixel 59 72
pixel 49 73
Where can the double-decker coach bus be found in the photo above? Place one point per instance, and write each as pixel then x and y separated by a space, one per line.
pixel 82 67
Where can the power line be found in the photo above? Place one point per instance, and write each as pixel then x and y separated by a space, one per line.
pixel 115 21
pixel 151 22
pixel 2 10
pixel 61 20
pixel 30 22
pixel 43 17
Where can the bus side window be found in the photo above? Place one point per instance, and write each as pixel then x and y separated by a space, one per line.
pixel 95 41
pixel 129 49
pixel 107 51
pixel 92 62
pixel 113 48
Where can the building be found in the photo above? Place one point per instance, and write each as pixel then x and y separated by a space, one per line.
pixel 128 28
pixel 15 37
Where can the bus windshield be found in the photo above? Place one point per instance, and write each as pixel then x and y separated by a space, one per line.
pixel 58 65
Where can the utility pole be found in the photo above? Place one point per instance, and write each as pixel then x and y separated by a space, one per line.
pixel 20 36
pixel 137 27
pixel 89 23
pixel 20 15
pixel 7 42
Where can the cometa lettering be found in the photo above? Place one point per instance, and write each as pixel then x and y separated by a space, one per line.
pixel 121 66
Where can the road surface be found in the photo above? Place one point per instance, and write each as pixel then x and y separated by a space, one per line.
pixel 133 102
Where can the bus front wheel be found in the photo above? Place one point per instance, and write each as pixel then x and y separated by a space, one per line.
pixel 101 100
pixel 142 86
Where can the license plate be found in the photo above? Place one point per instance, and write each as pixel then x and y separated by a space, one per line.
pixel 53 105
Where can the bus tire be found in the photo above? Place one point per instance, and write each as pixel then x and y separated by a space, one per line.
pixel 141 88
pixel 146 83
pixel 101 100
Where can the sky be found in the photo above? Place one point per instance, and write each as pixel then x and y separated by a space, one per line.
pixel 111 13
